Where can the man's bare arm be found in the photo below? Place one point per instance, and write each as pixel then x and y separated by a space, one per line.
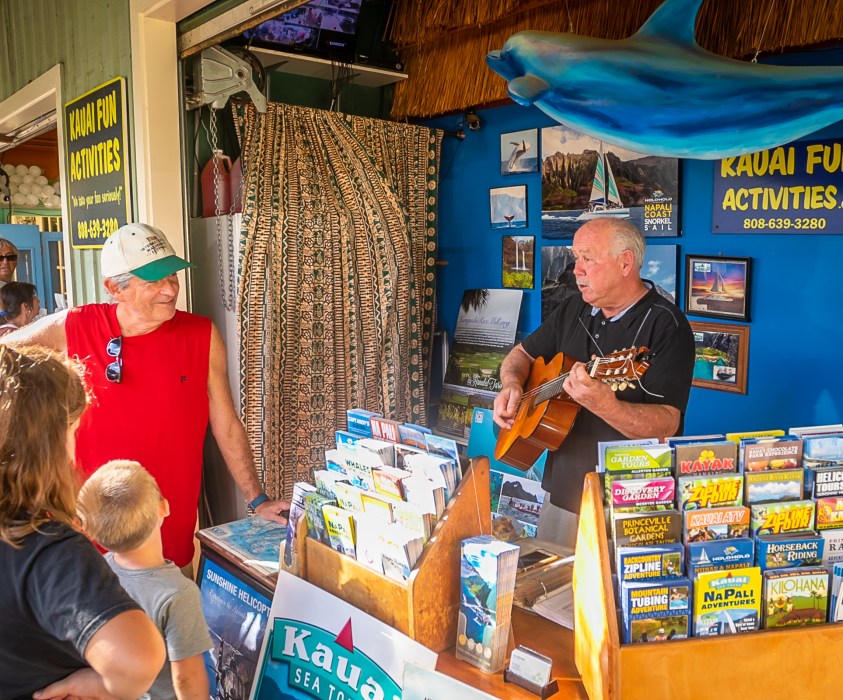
pixel 47 332
pixel 634 420
pixel 231 435
pixel 514 372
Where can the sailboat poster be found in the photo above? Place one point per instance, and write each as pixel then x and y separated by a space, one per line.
pixel 584 178
pixel 717 286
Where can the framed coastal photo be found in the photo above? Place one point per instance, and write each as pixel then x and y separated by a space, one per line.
pixel 584 177
pixel 520 152
pixel 508 206
pixel 518 259
pixel 717 286
pixel 721 356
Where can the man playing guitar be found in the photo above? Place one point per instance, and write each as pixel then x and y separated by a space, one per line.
pixel 615 309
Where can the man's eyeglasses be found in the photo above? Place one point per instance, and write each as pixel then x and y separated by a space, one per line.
pixel 11 258
pixel 114 371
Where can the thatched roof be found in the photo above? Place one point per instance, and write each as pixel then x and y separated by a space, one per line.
pixel 443 43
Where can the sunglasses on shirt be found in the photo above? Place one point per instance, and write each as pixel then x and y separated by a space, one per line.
pixel 11 258
pixel 114 371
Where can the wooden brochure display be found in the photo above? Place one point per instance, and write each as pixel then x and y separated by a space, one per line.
pixel 795 663
pixel 425 607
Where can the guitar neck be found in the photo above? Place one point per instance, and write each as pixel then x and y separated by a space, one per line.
pixel 545 392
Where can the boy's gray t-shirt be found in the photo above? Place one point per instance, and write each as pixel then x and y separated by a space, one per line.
pixel 174 604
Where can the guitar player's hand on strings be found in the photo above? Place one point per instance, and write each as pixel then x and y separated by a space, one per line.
pixel 588 392
pixel 506 405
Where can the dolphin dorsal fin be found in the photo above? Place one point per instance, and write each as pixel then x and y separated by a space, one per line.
pixel 675 20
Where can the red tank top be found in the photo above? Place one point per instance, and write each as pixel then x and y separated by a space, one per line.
pixel 157 415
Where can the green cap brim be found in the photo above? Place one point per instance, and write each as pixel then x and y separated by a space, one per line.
pixel 160 269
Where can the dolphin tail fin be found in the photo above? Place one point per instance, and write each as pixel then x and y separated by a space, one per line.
pixel 526 89
pixel 675 20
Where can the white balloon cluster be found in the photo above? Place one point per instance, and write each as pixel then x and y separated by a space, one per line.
pixel 29 188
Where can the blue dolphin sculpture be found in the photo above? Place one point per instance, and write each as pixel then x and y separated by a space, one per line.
pixel 659 92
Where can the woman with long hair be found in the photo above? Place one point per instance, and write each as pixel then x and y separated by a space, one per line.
pixel 68 624
pixel 19 305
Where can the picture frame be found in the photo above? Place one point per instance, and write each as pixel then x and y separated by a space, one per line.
pixel 518 260
pixel 721 356
pixel 520 152
pixel 717 286
pixel 508 207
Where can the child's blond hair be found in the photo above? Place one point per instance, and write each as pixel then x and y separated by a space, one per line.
pixel 120 505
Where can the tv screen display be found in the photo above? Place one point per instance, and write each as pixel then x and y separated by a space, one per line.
pixel 320 27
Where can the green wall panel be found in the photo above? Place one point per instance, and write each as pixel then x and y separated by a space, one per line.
pixel 92 39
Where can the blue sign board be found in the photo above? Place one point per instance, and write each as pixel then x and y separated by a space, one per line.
pixel 796 188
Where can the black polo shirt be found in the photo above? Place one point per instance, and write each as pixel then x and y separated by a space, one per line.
pixel 573 329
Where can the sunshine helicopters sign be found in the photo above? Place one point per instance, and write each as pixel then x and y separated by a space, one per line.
pixel 318 646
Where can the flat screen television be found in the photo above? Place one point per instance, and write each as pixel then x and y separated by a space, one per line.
pixel 326 28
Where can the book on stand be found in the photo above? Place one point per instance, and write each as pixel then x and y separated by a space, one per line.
pixel 488 568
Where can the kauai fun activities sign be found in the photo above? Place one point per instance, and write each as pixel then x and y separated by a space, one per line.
pixel 98 168
pixel 795 188
pixel 318 646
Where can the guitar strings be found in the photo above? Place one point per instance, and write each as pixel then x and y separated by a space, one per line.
pixel 558 381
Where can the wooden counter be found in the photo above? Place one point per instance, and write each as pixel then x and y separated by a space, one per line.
pixel 531 630
pixel 537 633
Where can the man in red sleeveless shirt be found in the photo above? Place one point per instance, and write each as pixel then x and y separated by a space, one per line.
pixel 157 376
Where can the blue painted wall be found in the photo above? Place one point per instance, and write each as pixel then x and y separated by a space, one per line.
pixel 796 331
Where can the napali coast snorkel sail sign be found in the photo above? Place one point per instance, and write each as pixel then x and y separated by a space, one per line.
pixel 318 646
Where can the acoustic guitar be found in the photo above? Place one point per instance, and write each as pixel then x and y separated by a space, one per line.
pixel 546 414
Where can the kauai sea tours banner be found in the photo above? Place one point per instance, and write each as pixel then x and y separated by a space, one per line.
pixel 584 177
pixel 484 335
pixel 318 646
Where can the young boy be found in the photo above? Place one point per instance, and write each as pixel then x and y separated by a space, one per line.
pixel 121 508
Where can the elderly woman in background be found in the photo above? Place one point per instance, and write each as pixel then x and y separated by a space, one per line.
pixel 19 305
pixel 8 261
pixel 68 624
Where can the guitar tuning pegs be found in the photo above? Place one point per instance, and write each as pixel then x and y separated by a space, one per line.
pixel 623 386
pixel 614 386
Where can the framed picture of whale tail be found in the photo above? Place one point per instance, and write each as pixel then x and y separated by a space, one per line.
pixel 520 152
pixel 721 353
pixel 508 207
pixel 717 286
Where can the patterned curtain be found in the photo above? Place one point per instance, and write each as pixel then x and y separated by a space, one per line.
pixel 336 296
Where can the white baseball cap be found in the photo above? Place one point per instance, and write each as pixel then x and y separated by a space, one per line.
pixel 143 251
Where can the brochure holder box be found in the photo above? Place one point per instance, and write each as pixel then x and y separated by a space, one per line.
pixel 425 607
pixel 796 663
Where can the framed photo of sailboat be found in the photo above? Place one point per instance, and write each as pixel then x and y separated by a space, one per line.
pixel 520 152
pixel 508 207
pixel 717 286
pixel 584 178
pixel 518 258
pixel 721 353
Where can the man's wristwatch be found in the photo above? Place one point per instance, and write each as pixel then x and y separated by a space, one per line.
pixel 255 502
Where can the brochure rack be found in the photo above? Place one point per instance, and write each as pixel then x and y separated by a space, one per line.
pixel 426 606
pixel 797 663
